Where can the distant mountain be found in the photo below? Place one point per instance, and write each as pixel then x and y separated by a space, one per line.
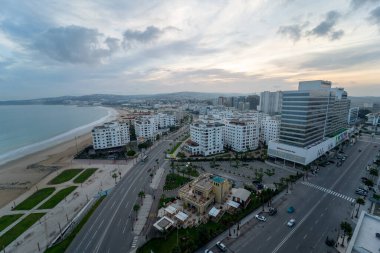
pixel 110 99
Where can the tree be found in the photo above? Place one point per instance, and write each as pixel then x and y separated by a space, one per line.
pixel 131 152
pixel 374 173
pixel 141 195
pixel 360 202
pixel 347 230
pixel 136 208
pixel 157 137
pixel 114 176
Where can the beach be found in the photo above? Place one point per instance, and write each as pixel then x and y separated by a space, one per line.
pixel 21 174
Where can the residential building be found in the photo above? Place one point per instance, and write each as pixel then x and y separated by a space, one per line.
pixel 110 135
pixel 313 121
pixel 373 119
pixel 241 135
pixel 270 129
pixel 270 102
pixel 241 196
pixel 146 128
pixel 201 193
pixel 208 136
pixel 353 114
pixel 165 120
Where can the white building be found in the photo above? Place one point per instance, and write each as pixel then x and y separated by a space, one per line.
pixel 353 114
pixel 206 138
pixel 146 128
pixel 270 129
pixel 241 135
pixel 165 120
pixel 110 135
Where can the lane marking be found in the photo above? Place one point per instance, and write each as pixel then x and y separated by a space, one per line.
pixel 329 191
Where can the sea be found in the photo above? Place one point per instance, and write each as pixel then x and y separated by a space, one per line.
pixel 25 129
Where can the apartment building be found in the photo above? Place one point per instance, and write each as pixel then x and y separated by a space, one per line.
pixel 165 120
pixel 270 129
pixel 146 128
pixel 110 135
pixel 270 102
pixel 353 114
pixel 241 135
pixel 206 138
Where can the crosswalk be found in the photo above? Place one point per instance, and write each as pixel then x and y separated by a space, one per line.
pixel 134 242
pixel 337 194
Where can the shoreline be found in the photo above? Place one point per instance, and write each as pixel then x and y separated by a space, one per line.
pixel 20 174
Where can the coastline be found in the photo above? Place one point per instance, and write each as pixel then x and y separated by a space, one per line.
pixel 20 174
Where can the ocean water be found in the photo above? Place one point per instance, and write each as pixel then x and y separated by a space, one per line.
pixel 25 129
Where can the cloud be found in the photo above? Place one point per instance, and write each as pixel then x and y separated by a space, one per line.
pixel 356 4
pixel 375 16
pixel 336 35
pixel 326 27
pixel 75 44
pixel 150 34
pixel 293 32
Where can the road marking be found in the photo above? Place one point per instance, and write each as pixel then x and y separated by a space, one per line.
pixel 134 242
pixel 113 204
pixel 270 237
pixel 305 237
pixel 329 191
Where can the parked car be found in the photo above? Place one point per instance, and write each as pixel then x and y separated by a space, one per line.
pixel 291 209
pixel 291 223
pixel 364 179
pixel 331 161
pixel 260 217
pixel 208 251
pixel 360 150
pixel 272 211
pixel 221 246
pixel 361 192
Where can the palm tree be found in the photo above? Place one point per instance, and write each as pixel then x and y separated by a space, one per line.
pixel 141 195
pixel 347 230
pixel 374 173
pixel 360 202
pixel 114 176
pixel 136 208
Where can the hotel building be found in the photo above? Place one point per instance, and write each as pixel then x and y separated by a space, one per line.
pixel 110 135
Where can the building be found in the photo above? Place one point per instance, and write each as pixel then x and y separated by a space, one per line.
pixel 353 114
pixel 270 102
pixel 373 119
pixel 364 236
pixel 241 196
pixel 241 135
pixel 208 136
pixel 201 193
pixel 270 129
pixel 110 135
pixel 254 101
pixel 313 121
pixel 165 120
pixel 146 128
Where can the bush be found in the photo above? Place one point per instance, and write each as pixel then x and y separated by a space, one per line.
pixel 131 152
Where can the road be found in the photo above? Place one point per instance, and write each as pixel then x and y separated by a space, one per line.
pixel 109 229
pixel 321 204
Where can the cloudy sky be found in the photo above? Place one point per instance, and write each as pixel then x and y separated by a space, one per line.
pixel 53 48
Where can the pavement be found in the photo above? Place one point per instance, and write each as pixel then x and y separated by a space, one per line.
pixel 322 202
pixel 110 228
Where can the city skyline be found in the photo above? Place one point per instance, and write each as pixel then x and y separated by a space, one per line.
pixel 54 49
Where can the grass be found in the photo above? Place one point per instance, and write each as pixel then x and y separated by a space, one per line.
pixel 64 244
pixel 190 171
pixel 19 228
pixel 175 147
pixel 65 176
pixel 35 199
pixel 84 175
pixel 58 197
pixel 174 181
pixel 164 200
pixel 7 220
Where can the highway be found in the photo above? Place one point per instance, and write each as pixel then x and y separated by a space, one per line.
pixel 109 229
pixel 321 204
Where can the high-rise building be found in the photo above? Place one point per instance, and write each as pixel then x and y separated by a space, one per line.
pixel 270 102
pixel 313 120
pixel 270 129
pixel 110 135
pixel 206 138
pixel 254 101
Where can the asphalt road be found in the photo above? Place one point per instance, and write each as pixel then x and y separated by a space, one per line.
pixel 321 204
pixel 109 229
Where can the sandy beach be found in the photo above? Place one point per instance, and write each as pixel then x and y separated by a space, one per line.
pixel 19 175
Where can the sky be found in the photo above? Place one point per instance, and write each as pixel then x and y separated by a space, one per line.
pixel 55 48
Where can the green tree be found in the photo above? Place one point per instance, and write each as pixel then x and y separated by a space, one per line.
pixel 136 208
pixel 114 176
pixel 131 152
pixel 141 195
pixel 360 202
pixel 347 230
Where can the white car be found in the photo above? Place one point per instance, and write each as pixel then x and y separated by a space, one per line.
pixel 260 217
pixel 221 246
pixel 291 222
pixel 208 251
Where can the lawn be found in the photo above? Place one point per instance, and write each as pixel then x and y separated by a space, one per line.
pixel 63 245
pixel 65 176
pixel 19 228
pixel 58 197
pixel 7 220
pixel 84 175
pixel 35 199
pixel 174 181
pixel 175 147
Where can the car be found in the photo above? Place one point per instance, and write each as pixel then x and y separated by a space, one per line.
pixel 364 179
pixel 221 246
pixel 360 150
pixel 331 161
pixel 272 211
pixel 291 209
pixel 259 186
pixel 291 223
pixel 260 217
pixel 208 251
pixel 361 193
